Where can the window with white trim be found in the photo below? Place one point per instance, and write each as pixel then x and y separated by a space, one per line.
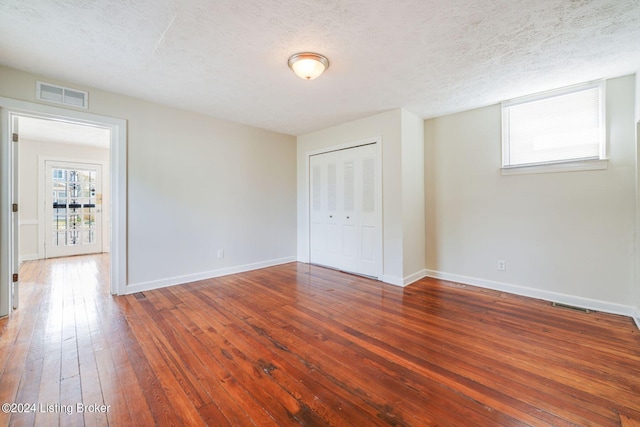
pixel 566 125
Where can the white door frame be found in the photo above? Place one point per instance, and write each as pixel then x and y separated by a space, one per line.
pixel 118 184
pixel 379 193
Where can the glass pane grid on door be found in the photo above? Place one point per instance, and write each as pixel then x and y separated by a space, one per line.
pixel 74 204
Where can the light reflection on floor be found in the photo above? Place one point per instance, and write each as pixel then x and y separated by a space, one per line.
pixel 74 286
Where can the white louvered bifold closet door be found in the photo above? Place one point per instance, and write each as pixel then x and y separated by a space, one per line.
pixel 345 219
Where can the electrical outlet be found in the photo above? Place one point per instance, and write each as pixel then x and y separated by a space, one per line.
pixel 502 265
pixel 220 254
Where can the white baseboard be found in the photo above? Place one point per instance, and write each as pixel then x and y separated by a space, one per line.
pixel 636 317
pixel 414 277
pixel 29 257
pixel 180 280
pixel 404 281
pixel 573 300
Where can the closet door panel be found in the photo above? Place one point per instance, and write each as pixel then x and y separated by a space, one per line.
pixel 367 251
pixel 348 216
pixel 316 223
pixel 331 217
pixel 370 209
pixel 345 210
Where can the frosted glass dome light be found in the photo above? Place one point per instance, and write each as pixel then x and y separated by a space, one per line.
pixel 308 65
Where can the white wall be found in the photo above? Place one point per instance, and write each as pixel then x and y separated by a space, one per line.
pixel 398 131
pixel 196 185
pixel 637 269
pixel 31 227
pixel 565 236
pixel 637 96
pixel 413 196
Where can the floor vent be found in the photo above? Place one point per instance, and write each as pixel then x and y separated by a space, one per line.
pixel 62 95
pixel 571 307
pixel 139 295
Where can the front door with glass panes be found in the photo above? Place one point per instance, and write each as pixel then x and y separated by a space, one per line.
pixel 73 209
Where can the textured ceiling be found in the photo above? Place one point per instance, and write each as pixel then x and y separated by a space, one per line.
pixel 228 59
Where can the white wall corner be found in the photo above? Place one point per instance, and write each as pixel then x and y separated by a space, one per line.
pixel 573 300
pixel 392 280
pixel 636 317
pixel 403 281
pixel 412 278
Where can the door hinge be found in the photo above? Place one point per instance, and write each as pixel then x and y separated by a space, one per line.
pixel 14 207
pixel 15 137
pixel 15 277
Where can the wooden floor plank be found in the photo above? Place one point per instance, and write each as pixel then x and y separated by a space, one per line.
pixel 383 410
pixel 303 345
pixel 628 422
pixel 152 391
pixel 484 370
pixel 181 410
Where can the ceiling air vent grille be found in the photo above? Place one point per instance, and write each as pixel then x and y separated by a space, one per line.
pixel 62 95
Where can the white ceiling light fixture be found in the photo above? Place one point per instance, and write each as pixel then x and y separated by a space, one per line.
pixel 308 65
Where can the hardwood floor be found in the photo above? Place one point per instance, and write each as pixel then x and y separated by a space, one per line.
pixel 303 345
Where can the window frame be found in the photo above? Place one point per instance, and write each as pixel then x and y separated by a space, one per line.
pixel 559 165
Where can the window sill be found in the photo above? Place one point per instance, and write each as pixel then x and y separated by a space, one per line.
pixel 579 165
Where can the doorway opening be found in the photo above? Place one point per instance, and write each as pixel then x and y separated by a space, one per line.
pixel 61 141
